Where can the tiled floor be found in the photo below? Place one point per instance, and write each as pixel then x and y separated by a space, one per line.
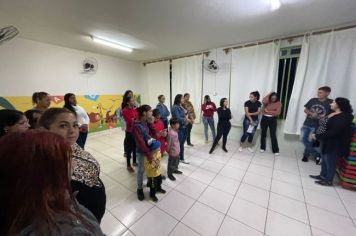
pixel 234 193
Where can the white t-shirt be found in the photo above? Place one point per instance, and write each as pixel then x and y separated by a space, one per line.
pixel 82 116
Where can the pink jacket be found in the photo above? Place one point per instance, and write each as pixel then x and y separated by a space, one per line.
pixel 274 109
pixel 173 148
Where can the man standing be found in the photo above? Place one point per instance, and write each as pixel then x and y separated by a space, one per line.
pixel 191 116
pixel 315 109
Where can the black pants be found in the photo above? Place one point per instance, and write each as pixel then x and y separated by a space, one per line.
pixel 271 123
pixel 92 198
pixel 155 183
pixel 222 131
pixel 189 130
pixel 130 147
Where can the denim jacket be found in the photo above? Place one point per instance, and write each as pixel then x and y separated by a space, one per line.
pixel 178 112
pixel 163 110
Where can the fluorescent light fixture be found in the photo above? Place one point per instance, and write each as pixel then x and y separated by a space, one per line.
pixel 275 4
pixel 111 44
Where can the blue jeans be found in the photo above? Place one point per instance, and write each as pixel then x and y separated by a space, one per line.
pixel 209 121
pixel 328 166
pixel 140 169
pixel 246 135
pixel 182 136
pixel 82 139
pixel 305 133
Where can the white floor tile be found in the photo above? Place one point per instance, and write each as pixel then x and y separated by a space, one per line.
pixel 248 213
pixel 111 226
pixel 191 187
pixel 258 180
pixel 289 207
pixel 253 194
pixel 183 230
pixel 330 223
pixel 130 210
pixel 211 166
pixel 318 232
pixel 278 224
pixel 203 219
pixel 287 177
pixel 176 204
pixel 233 162
pixel 203 176
pixel 225 184
pixel 116 195
pixel 233 172
pixel 260 170
pixel 231 227
pixel 155 222
pixel 216 199
pixel 287 189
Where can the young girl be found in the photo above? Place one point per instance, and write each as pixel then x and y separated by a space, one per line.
pixel 129 113
pixel 41 101
pixel 143 127
pixel 161 131
pixel 173 149
pixel 252 110
pixel 224 124
pixel 271 110
pixel 85 178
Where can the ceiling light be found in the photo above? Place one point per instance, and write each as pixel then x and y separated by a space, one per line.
pixel 275 4
pixel 111 44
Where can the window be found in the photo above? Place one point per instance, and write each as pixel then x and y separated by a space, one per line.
pixel 288 62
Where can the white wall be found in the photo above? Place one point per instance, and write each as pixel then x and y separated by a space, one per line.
pixel 27 66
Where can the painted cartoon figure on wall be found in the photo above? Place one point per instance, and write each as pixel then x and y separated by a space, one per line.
pixel 100 108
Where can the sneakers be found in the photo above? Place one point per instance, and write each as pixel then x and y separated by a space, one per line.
pixel 305 159
pixel 130 169
pixel 262 150
pixel 178 172
pixel 224 148
pixel 317 160
pixel 161 190
pixel 134 164
pixel 140 194
pixel 240 149
pixel 171 177
pixel 154 198
pixel 184 162
pixel 276 154
pixel 250 150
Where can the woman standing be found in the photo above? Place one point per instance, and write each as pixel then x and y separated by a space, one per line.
pixel 86 169
pixel 41 101
pixel 335 136
pixel 163 110
pixel 208 108
pixel 252 110
pixel 129 113
pixel 12 121
pixel 224 125
pixel 35 194
pixel 144 122
pixel 70 102
pixel 271 110
pixel 188 106
pixel 179 113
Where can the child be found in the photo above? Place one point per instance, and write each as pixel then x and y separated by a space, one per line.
pixel 160 130
pixel 173 149
pixel 153 169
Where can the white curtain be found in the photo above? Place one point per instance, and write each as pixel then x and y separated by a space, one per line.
pixel 331 61
pixel 156 82
pixel 187 78
pixel 252 68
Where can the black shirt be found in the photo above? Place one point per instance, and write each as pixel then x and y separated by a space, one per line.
pixel 224 116
pixel 252 108
pixel 318 107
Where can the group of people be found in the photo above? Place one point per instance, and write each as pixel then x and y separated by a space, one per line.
pixel 50 185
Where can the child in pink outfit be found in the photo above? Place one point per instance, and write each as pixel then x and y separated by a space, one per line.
pixel 173 149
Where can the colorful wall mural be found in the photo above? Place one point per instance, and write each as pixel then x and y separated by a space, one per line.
pixel 100 108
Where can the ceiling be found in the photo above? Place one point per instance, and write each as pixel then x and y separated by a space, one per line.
pixel 162 28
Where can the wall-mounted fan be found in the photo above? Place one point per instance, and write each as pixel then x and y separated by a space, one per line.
pixel 8 33
pixel 90 65
pixel 211 65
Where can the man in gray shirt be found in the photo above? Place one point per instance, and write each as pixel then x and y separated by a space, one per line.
pixel 315 109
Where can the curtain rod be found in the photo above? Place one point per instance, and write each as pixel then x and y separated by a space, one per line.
pixel 226 49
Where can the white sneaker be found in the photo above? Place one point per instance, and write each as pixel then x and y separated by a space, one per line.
pixel 261 151
pixel 250 150
pixel 240 149
pixel 276 154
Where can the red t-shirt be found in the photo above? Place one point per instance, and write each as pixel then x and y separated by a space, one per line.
pixel 159 126
pixel 208 109
pixel 129 115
